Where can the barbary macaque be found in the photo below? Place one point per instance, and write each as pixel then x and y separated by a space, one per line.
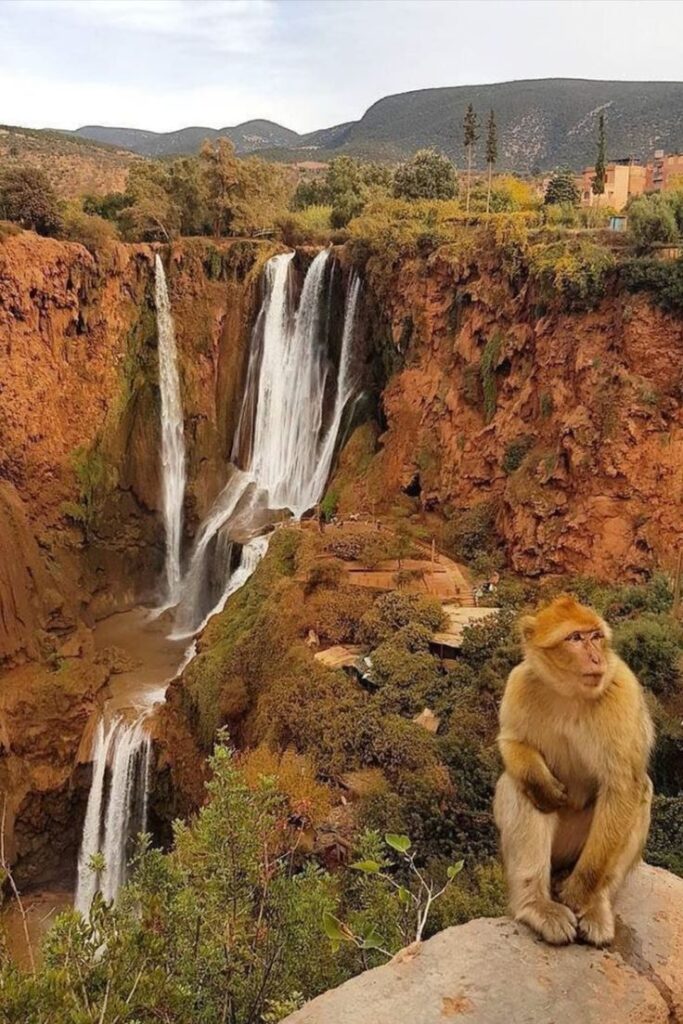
pixel 573 804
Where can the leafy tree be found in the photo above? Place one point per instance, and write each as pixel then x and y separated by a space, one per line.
pixel 470 136
pixel 151 213
pixel 427 175
pixel 598 183
pixel 491 153
pixel 27 198
pixel 108 206
pixel 220 168
pixel 310 192
pixel 187 189
pixel 651 220
pixel 561 189
pixel 261 196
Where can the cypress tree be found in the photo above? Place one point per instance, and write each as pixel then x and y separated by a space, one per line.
pixel 491 153
pixel 599 178
pixel 470 136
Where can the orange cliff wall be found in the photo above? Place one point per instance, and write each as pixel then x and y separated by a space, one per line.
pixel 595 394
pixel 79 386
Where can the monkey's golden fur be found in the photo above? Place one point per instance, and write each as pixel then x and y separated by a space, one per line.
pixel 575 737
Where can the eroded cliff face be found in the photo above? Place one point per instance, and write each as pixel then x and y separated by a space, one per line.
pixel 570 423
pixel 80 532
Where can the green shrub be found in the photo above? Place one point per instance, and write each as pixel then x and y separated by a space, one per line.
pixel 652 646
pixel 663 279
pixel 471 532
pixel 576 270
pixel 516 451
pixel 427 175
pixel 651 220
pixel 665 841
pixel 394 610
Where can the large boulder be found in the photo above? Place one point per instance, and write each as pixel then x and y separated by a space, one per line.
pixel 496 972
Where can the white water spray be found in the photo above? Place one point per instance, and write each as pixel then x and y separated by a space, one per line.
pixel 289 446
pixel 172 436
pixel 117 806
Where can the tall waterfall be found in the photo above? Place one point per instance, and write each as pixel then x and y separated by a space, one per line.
pixel 287 434
pixel 117 806
pixel 172 436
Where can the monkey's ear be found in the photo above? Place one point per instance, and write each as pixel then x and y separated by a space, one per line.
pixel 527 625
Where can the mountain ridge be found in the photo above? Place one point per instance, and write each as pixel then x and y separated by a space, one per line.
pixel 543 124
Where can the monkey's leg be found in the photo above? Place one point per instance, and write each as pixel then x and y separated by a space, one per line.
pixel 596 922
pixel 526 841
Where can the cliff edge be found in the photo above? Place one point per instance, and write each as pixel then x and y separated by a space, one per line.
pixel 493 971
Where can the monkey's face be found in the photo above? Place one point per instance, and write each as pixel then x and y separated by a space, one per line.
pixel 569 645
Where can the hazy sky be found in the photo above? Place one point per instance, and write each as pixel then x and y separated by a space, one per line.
pixel 165 64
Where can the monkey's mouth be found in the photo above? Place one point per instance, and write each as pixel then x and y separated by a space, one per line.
pixel 594 678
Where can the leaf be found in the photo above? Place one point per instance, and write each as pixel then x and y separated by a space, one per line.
pixel 455 869
pixel 369 867
pixel 334 929
pixel 403 895
pixel 371 939
pixel 400 843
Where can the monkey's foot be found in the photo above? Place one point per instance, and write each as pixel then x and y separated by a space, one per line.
pixel 596 923
pixel 552 921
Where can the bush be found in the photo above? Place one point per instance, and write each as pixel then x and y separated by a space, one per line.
pixel 427 175
pixel 652 646
pixel 311 225
pixel 393 611
pixel 515 453
pixel 664 280
pixel 90 230
pixel 665 841
pixel 577 270
pixel 27 198
pixel 471 532
pixel 651 220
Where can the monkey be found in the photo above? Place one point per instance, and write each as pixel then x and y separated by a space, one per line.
pixel 572 806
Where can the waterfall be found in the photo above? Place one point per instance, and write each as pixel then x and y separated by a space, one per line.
pixel 282 440
pixel 172 436
pixel 117 806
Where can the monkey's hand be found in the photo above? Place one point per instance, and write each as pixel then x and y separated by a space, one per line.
pixel 577 892
pixel 546 793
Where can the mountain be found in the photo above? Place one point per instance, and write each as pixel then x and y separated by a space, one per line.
pixel 542 124
pixel 248 138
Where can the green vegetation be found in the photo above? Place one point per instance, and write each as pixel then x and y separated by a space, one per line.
pixel 91 476
pixel 653 646
pixel 487 368
pixel 562 190
pixel 516 451
pixel 664 281
pixel 655 219
pixel 577 270
pixel 427 175
pixel 28 199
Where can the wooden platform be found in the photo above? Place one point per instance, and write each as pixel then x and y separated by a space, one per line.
pixel 458 618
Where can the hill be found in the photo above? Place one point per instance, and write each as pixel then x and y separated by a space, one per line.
pixel 73 165
pixel 543 124
pixel 248 138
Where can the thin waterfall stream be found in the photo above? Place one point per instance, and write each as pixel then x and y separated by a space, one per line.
pixel 291 416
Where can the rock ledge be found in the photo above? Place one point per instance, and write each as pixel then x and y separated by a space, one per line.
pixel 493 971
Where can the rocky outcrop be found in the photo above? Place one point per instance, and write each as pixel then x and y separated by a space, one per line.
pixel 569 423
pixel 495 972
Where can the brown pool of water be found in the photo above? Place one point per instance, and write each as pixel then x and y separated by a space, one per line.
pixel 41 908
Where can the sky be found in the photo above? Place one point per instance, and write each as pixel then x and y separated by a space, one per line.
pixel 307 64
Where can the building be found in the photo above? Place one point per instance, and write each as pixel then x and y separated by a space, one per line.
pixel 664 171
pixel 623 179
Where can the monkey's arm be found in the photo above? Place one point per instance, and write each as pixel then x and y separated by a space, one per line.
pixel 530 771
pixel 616 811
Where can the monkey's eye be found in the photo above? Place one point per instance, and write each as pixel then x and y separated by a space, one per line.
pixel 597 636
pixel 574 638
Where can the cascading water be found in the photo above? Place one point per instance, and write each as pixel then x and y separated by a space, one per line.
pixel 117 806
pixel 172 436
pixel 283 429
pixel 287 434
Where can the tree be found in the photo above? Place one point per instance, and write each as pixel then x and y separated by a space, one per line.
pixel 598 183
pixel 470 136
pixel 220 168
pixel 27 197
pixel 427 175
pixel 651 220
pixel 491 153
pixel 151 213
pixel 562 189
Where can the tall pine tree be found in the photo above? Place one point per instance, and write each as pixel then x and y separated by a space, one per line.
pixel 600 176
pixel 470 136
pixel 491 153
